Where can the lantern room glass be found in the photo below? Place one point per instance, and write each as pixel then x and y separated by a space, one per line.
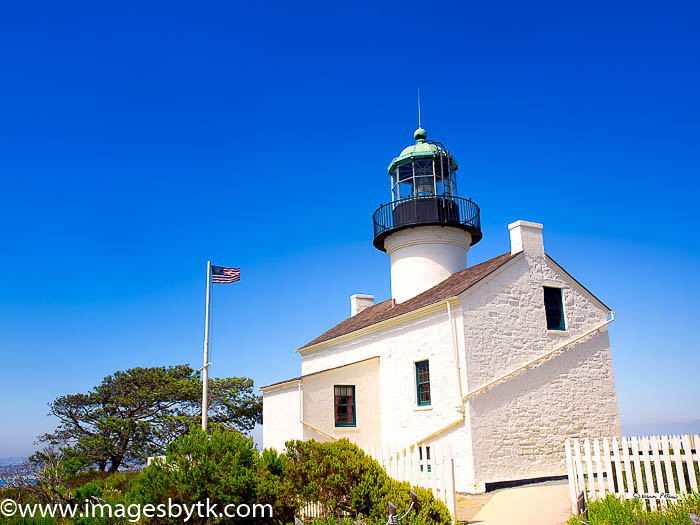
pixel 423 177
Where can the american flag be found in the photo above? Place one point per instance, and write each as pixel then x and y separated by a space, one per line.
pixel 221 274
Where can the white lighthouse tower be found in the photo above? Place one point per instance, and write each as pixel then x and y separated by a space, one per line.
pixel 426 229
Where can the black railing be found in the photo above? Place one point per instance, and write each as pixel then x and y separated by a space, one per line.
pixel 429 210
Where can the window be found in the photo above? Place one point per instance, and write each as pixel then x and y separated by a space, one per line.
pixel 344 406
pixel 554 308
pixel 423 383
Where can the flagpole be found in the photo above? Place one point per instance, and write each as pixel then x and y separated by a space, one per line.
pixel 205 366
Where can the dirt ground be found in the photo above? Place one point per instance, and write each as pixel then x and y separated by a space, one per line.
pixel 469 504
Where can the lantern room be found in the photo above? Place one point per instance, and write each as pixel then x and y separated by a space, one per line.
pixel 424 192
pixel 423 170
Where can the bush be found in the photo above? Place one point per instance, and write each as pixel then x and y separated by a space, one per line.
pixel 107 490
pixel 344 480
pixel 121 481
pixel 93 486
pixel 612 511
pixel 275 489
pixel 223 467
pixel 89 491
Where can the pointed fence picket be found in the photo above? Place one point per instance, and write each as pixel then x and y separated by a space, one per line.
pixel 655 469
pixel 427 466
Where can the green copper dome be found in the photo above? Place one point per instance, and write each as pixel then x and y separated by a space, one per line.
pixel 421 149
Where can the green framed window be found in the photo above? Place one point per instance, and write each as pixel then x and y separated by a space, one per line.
pixel 345 413
pixel 423 383
pixel 554 308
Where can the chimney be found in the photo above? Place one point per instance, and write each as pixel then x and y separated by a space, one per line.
pixel 359 302
pixel 526 237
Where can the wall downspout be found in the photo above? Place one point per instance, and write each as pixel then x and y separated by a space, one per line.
pixel 455 346
pixel 301 415
pixel 301 403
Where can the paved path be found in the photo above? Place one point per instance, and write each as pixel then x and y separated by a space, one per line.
pixel 539 504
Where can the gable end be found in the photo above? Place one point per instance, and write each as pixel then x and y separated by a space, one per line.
pixel 581 287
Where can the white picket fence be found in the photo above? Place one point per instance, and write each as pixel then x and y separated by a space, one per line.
pixel 656 469
pixel 312 510
pixel 428 466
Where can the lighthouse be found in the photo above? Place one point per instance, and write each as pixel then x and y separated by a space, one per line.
pixel 433 365
pixel 426 229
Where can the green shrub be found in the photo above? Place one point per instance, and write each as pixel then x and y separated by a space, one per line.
pixel 432 511
pixel 112 487
pixel 103 490
pixel 90 491
pixel 223 467
pixel 612 511
pixel 275 489
pixel 83 478
pixel 343 480
pixel 121 481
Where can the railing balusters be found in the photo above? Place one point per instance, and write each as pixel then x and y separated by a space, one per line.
pixel 468 213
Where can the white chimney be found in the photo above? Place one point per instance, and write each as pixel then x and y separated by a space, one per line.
pixel 526 237
pixel 359 302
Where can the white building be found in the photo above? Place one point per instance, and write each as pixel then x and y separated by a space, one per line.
pixel 502 360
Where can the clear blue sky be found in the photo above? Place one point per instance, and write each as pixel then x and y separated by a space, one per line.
pixel 138 140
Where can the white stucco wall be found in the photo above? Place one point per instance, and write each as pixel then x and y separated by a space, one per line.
pixel 519 426
pixel 281 417
pixel 319 395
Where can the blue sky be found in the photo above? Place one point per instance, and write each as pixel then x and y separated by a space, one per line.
pixel 139 140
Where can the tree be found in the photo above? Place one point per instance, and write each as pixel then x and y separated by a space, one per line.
pixel 136 413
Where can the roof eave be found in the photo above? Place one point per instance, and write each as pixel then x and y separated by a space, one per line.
pixel 300 380
pixel 280 385
pixel 403 159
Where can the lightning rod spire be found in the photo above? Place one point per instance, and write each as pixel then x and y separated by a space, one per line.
pixel 419 109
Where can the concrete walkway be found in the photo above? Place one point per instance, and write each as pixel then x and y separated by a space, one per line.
pixel 538 504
